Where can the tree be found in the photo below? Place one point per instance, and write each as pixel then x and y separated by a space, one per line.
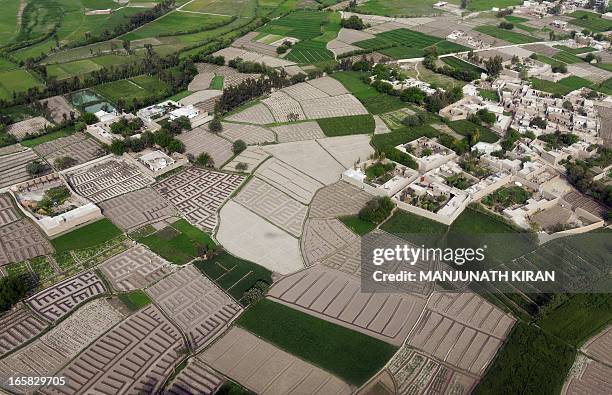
pixel 12 289
pixel 474 137
pixel 89 118
pixel 413 95
pixel 126 45
pixel 117 147
pixel 64 162
pixel 204 159
pixel 589 57
pixel 377 209
pixel 35 168
pixel 215 125
pixel 494 65
pixel 238 146
pixel 464 4
pixel 353 22
pixel 175 145
pixel 241 166
pixel 506 25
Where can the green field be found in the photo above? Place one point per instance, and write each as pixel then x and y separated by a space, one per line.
pixel 6 65
pixel 233 274
pixel 352 356
pixel 404 43
pixel 357 225
pixel 16 81
pixel 87 236
pixel 374 101
pixel 8 21
pixel 244 8
pixel 550 61
pixel 403 222
pixel 459 64
pixel 591 21
pixel 506 35
pixel 604 66
pixel 574 82
pixel 488 94
pixel 567 57
pixel 574 51
pixel 176 23
pixel 515 19
pixel 605 87
pixel 178 243
pixel 45 138
pixel 549 86
pixel 484 5
pixel 398 8
pixel 135 300
pixel 466 128
pixel 138 88
pixel 344 126
pixel 531 362
pixel 313 29
pixel 217 82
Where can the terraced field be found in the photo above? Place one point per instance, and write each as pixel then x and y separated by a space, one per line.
pixel 506 35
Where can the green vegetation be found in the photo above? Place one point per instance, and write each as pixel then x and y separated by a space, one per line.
pixel 374 101
pixel 550 86
pixel 135 300
pixel 467 128
pixel 244 8
pixel 313 29
pixel 403 222
pixel 403 43
pixel 217 82
pixel 574 82
pixel 505 197
pixel 567 57
pixel 397 8
pixel 485 5
pixel 506 35
pixel 235 275
pixel 12 289
pixel 386 143
pixel 16 81
pixel 179 243
pixel 137 88
pixel 377 210
pixel 488 94
pixel 515 19
pixel 350 355
pixel 459 64
pixel 531 362
pixel 591 21
pixel 351 124
pixel 548 60
pixel 87 236
pixel 178 23
pixel 358 225
pixel 46 138
pixel 579 318
pixel 574 51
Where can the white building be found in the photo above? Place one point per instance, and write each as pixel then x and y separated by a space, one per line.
pixel 189 112
pixel 156 160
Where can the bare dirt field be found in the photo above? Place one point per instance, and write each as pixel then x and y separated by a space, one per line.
pixel 588 377
pixel 310 158
pixel 251 157
pixel 288 179
pixel 107 180
pixel 29 126
pixel 199 140
pixel 334 106
pixel 246 42
pixel 273 205
pixel 282 106
pixel 198 193
pixel 135 268
pixel 270 61
pixel 55 302
pixel 298 132
pixel 21 240
pixel 248 236
pixel 348 150
pixel 195 378
pixel 337 200
pixel 195 304
pixel 200 82
pixel 415 372
pixel 600 346
pixel 135 356
pixel 13 167
pixel 250 134
pixel 50 352
pixel 12 149
pixel 304 91
pixel 138 208
pixel 324 238
pixel 258 114
pixel 329 85
pixel 58 107
pixel 337 297
pixel 241 356
pixel 17 327
pixel 79 147
pixel 8 212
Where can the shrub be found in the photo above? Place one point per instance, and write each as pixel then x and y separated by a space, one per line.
pixel 215 125
pixel 204 159
pixel 238 146
pixel 64 162
pixel 377 210
pixel 241 166
pixel 35 168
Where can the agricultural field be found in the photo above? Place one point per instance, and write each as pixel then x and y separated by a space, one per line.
pixel 562 87
pixel 343 126
pixel 549 60
pixel 466 128
pixel 397 8
pixel 136 88
pixel 177 23
pixel 350 355
pixel 591 21
pixel 357 225
pixel 16 81
pixel 567 57
pixel 8 21
pixel 485 5
pixel 87 236
pixel 242 8
pixel 374 101
pixel 574 51
pixel 403 43
pixel 135 300
pixel 506 35
pixel 233 274
pixel 459 64
pixel 179 242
